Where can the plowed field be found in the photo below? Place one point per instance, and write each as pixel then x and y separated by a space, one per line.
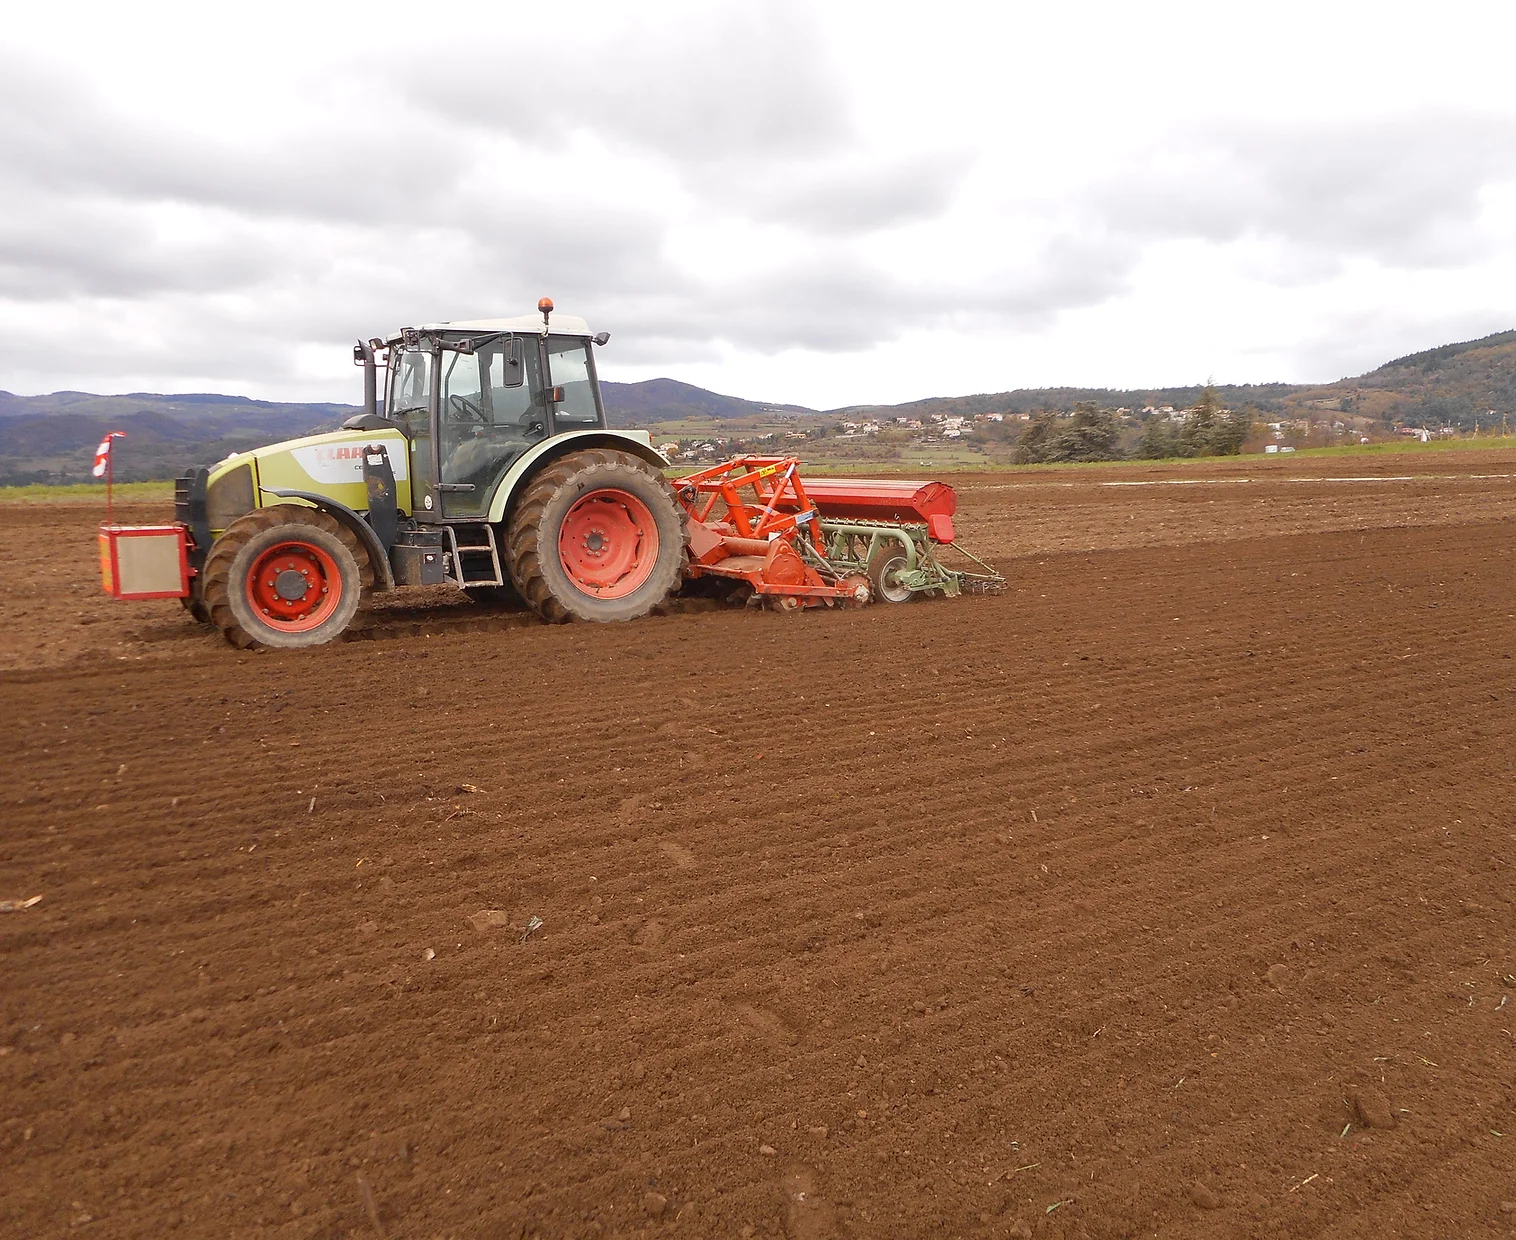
pixel 1170 892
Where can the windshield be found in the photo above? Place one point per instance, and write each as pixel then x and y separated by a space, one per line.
pixel 411 390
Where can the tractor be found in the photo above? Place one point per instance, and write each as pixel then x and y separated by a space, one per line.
pixel 489 466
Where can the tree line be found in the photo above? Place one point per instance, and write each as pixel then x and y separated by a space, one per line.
pixel 1091 433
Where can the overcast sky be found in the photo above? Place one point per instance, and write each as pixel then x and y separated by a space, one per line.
pixel 815 203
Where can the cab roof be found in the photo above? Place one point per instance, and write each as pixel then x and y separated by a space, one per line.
pixel 524 324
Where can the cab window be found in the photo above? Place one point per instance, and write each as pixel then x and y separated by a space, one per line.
pixel 492 412
pixel 570 367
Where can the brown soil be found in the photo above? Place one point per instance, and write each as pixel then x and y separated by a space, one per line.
pixel 1170 892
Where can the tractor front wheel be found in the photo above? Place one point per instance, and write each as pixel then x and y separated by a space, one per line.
pixel 282 577
pixel 193 603
pixel 597 535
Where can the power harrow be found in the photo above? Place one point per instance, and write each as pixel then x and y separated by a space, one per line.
pixel 757 527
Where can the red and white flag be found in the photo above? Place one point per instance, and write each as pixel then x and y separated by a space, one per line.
pixel 103 453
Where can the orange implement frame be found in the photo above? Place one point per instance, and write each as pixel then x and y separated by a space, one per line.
pixel 751 521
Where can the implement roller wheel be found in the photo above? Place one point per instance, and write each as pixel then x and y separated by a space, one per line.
pixel 885 566
pixel 283 577
pixel 597 535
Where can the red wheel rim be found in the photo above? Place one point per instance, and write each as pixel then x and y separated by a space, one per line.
pixel 608 543
pixel 294 587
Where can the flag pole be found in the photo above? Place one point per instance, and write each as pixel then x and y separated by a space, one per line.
pixel 105 467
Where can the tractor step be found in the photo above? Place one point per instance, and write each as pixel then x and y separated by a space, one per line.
pixel 475 558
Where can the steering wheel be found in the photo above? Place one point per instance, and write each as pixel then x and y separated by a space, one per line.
pixel 465 409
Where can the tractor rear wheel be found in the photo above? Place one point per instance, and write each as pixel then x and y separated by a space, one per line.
pixel 597 535
pixel 885 567
pixel 283 577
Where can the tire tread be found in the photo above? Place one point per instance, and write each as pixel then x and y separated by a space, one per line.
pixel 524 534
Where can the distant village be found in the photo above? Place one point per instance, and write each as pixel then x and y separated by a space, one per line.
pixel 987 431
pixel 935 428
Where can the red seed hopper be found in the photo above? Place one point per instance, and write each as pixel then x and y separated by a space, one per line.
pixel 886 499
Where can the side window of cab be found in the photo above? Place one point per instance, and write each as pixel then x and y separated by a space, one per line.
pixel 571 368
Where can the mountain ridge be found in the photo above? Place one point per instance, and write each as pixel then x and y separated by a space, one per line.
pixel 51 437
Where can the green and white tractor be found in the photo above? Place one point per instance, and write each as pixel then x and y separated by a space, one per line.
pixel 488 465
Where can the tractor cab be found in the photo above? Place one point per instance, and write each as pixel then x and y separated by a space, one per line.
pixel 474 397
pixel 481 458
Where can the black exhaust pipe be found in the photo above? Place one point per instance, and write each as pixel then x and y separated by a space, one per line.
pixel 363 355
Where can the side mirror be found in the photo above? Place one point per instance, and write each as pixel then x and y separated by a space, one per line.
pixel 601 338
pixel 514 374
pixel 556 396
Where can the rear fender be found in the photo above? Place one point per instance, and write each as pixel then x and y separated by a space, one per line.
pixel 384 577
pixel 638 444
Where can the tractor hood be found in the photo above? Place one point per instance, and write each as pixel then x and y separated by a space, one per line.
pixel 315 462
pixel 329 465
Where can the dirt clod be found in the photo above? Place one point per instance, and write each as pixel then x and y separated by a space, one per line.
pixel 1372 1108
pixel 1204 1196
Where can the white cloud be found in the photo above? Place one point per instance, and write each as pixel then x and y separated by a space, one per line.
pixel 819 204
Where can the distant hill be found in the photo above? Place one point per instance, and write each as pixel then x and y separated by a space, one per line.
pixel 52 438
pixel 1452 384
pixel 189 407
pixel 1032 400
pixel 668 400
pixel 1432 360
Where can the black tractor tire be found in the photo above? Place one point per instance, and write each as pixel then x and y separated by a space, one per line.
pixel 193 603
pixel 885 562
pixel 652 526
pixel 305 536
